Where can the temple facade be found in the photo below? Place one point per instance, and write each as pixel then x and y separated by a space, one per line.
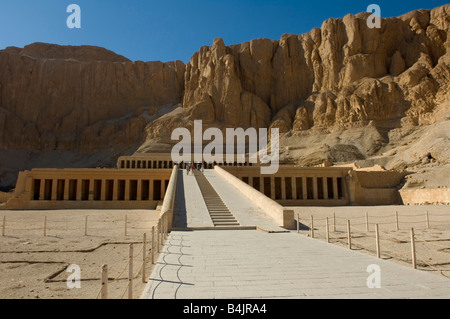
pixel 141 181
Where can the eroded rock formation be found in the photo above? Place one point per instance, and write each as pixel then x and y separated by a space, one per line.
pixel 316 87
pixel 82 98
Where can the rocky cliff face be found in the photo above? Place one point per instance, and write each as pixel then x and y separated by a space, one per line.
pixel 61 105
pixel 341 75
pixel 341 78
pixel 83 98
pixel 343 92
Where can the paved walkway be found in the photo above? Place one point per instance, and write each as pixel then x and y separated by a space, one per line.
pixel 208 264
pixel 189 210
pixel 242 208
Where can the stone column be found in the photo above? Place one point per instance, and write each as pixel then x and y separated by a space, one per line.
pixel 325 187
pixel 66 189
pixel 42 190
pixel 272 187
pixel 250 181
pixel 91 189
pixel 150 189
pixel 103 190
pixel 115 189
pixel 54 189
pixel 79 188
pixel 335 188
pixel 304 188
pixel 315 192
pixel 283 187
pixel 29 187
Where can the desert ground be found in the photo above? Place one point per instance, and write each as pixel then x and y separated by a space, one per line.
pixel 432 239
pixel 35 266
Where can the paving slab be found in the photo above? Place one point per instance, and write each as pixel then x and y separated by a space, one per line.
pixel 231 264
pixel 245 211
pixel 189 209
pixel 208 264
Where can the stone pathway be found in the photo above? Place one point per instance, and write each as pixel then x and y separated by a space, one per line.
pixel 253 264
pixel 213 264
pixel 190 209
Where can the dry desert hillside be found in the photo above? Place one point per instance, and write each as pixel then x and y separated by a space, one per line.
pixel 342 93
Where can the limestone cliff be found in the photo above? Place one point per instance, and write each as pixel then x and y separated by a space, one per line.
pixel 77 106
pixel 366 86
pixel 341 75
pixel 342 92
pixel 83 98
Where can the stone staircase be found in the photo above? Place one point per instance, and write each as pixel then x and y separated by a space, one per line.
pixel 219 212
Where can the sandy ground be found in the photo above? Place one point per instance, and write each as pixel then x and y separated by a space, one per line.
pixel 432 244
pixel 34 266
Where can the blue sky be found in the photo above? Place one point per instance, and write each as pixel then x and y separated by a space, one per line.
pixel 150 30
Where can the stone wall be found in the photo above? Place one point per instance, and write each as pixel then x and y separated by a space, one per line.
pixel 89 189
pixel 425 196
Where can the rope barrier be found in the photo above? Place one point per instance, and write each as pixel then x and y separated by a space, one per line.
pixel 125 290
pixel 399 237
pixel 99 292
pixel 410 215
pixel 49 225
pixel 121 273
pixel 439 214
pixel 433 244
pixel 436 269
pixel 440 221
pixel 161 233
pixel 22 229
pixel 139 271
pixel 139 253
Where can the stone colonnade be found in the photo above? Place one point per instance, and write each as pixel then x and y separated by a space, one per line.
pixel 298 184
pixel 159 161
pixel 96 185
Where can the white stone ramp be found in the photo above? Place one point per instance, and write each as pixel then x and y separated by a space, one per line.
pixel 208 264
pixel 189 209
pixel 245 211
pixel 216 264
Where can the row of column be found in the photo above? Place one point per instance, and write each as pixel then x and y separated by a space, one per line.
pixel 211 165
pixel 99 189
pixel 234 164
pixel 145 164
pixel 298 187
